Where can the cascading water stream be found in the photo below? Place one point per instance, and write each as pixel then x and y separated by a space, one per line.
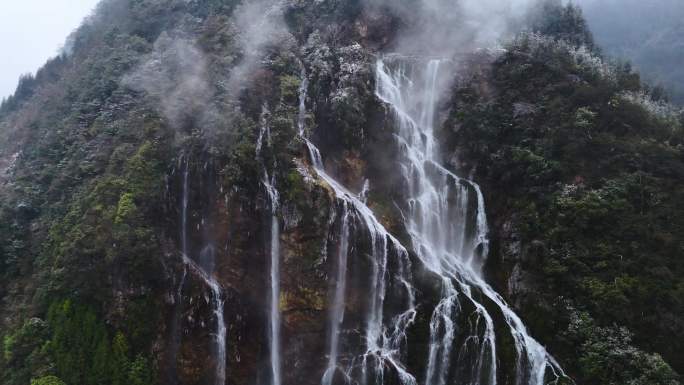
pixel 337 310
pixel 176 333
pixel 450 241
pixel 184 207
pixel 218 303
pixel 382 345
pixel 438 231
pixel 275 289
pixel 447 241
pixel 221 331
pixel 274 300
pixel 205 272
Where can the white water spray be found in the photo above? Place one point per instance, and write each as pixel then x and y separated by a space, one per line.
pixel 275 287
pixel 383 346
pixel 449 239
pixel 448 234
pixel 206 275
pixel 337 310
pixel 218 303
pixel 274 300
pixel 275 297
pixel 184 208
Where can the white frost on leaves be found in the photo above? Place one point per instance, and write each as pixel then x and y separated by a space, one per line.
pixel 657 108
pixel 7 165
pixel 582 57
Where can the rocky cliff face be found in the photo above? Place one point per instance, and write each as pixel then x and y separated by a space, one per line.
pixel 209 192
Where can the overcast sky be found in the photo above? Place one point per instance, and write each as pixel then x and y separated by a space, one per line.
pixel 31 31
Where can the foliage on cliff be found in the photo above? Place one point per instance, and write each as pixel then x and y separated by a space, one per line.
pixel 84 161
pixel 582 167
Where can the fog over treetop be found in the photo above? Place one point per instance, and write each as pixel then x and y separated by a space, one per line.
pixel 648 33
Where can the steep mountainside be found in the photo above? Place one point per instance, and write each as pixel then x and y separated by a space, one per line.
pixel 339 192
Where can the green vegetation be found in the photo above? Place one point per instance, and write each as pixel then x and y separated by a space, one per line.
pixel 607 355
pixel 74 344
pixel 47 380
pixel 86 214
pixel 588 178
pixel 80 218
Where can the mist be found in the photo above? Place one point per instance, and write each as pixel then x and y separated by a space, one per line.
pixel 445 28
pixel 258 24
pixel 650 34
pixel 181 79
pixel 175 75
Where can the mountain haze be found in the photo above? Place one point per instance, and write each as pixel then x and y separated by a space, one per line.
pixel 647 33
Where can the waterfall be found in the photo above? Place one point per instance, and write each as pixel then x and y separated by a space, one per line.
pixel 274 300
pixel 446 222
pixel 275 288
pixel 449 240
pixel 303 89
pixel 176 332
pixel 218 303
pixel 184 207
pixel 383 348
pixel 337 309
pixel 382 345
pixel 221 331
pixel 438 231
pixel 205 271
